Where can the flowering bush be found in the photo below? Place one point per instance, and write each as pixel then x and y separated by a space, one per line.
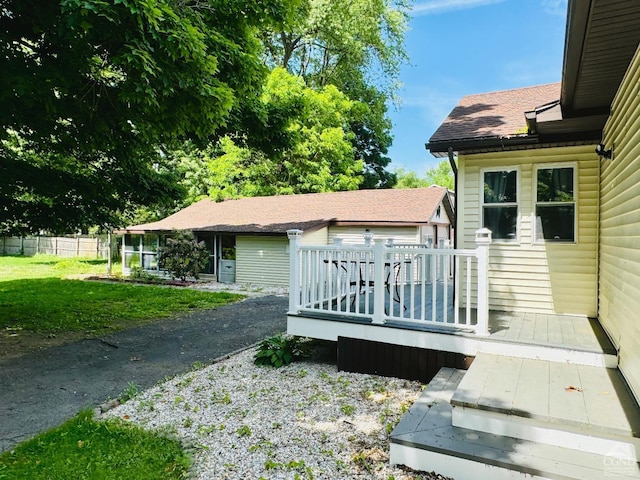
pixel 183 257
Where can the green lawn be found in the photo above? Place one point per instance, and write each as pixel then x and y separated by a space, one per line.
pixel 85 449
pixel 35 296
pixel 13 267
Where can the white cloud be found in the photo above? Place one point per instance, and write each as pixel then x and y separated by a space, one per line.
pixel 429 105
pixel 434 7
pixel 555 7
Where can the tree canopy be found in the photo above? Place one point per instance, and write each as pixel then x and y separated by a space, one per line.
pixel 93 92
pixel 357 46
pixel 106 106
pixel 316 153
pixel 441 175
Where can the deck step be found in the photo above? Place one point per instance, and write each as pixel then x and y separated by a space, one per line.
pixel 425 439
pixel 559 404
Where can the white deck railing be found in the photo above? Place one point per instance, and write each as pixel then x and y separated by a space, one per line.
pixel 408 284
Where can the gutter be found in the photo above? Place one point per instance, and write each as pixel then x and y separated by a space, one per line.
pixel 489 142
pixel 454 168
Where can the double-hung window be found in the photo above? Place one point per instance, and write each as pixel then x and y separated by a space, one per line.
pixel 556 203
pixel 500 203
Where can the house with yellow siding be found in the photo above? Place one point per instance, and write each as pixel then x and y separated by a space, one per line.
pixel 554 172
pixel 528 330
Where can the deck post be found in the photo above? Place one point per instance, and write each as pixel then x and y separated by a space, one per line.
pixel 483 240
pixel 378 282
pixel 294 269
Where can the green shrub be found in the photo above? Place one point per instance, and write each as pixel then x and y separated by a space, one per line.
pixel 280 350
pixel 137 273
pixel 183 257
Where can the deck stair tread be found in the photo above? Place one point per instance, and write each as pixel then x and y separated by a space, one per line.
pixel 428 427
pixel 561 394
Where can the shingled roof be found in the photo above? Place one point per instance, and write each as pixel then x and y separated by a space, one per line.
pixel 491 116
pixel 277 214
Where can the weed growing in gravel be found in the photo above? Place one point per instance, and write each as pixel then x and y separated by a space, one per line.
pixel 197 366
pixel 296 466
pixel 221 397
pixel 207 429
pixel 341 465
pixel 270 464
pixel 243 431
pixel 185 382
pixel 262 445
pixel 146 405
pixel 362 461
pixel 347 409
pixel 343 381
pixel 130 392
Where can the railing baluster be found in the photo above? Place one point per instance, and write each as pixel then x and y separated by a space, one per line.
pixel 434 284
pixel 445 289
pixel 412 286
pixel 423 286
pixel 456 290
pixel 314 278
pixel 468 291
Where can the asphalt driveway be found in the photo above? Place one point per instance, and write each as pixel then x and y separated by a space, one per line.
pixel 42 389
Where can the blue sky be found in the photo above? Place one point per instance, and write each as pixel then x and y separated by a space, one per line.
pixel 461 47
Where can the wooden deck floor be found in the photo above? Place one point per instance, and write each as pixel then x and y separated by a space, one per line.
pixel 563 331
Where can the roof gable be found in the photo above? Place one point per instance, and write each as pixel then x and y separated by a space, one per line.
pixel 491 116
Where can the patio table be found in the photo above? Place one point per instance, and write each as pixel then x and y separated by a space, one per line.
pixel 366 281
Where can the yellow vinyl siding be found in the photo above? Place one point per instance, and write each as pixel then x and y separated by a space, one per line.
pixel 262 260
pixel 353 235
pixel 525 275
pixel 316 237
pixel 619 293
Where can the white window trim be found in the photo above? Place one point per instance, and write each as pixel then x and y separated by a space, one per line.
pixel 534 202
pixel 517 203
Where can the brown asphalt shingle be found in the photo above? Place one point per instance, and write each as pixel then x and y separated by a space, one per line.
pixel 494 114
pixel 277 214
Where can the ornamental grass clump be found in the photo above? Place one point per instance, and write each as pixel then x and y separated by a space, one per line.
pixel 280 350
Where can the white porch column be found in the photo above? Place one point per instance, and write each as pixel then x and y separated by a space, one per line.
pixel 483 240
pixel 294 269
pixel 378 282
pixel 124 251
pixel 108 251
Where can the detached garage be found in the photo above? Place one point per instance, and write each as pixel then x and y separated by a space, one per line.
pixel 247 237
